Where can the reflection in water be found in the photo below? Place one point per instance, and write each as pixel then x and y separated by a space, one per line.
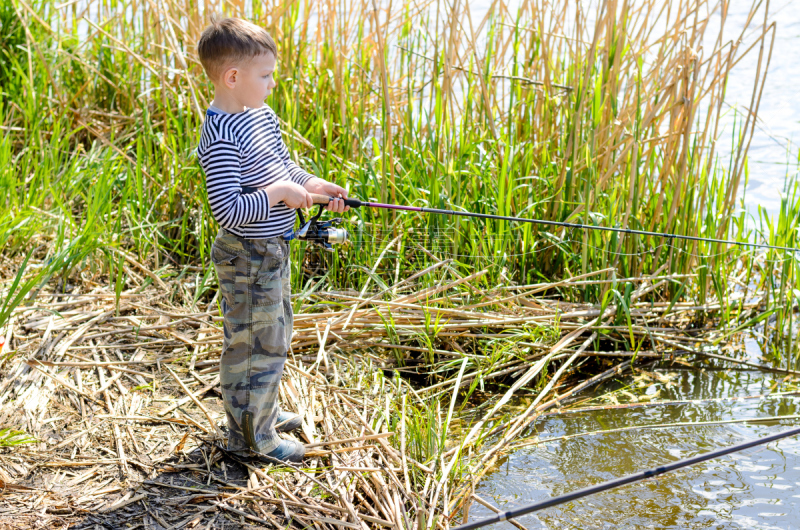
pixel 757 488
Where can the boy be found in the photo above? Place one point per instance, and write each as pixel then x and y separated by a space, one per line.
pixel 253 190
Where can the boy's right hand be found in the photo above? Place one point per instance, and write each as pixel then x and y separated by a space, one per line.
pixel 293 195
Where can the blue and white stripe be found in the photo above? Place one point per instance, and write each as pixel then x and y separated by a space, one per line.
pixel 246 150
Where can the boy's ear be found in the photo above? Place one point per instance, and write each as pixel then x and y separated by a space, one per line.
pixel 230 76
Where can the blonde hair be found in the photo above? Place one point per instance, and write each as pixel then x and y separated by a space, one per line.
pixel 231 40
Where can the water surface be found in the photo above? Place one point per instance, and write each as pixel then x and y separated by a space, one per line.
pixel 757 488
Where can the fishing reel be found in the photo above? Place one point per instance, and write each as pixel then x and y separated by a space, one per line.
pixel 321 233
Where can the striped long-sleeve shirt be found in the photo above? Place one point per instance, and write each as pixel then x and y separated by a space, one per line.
pixel 245 150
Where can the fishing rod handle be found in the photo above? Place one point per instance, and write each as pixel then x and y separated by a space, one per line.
pixel 324 199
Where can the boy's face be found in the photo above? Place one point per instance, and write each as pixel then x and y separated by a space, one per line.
pixel 253 81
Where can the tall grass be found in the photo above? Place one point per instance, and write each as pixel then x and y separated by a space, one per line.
pixel 601 114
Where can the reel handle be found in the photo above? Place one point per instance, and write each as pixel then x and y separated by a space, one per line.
pixel 324 199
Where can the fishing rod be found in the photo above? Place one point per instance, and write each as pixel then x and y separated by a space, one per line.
pixel 324 233
pixel 615 483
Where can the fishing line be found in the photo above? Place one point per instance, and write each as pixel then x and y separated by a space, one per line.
pixel 356 203
pixel 447 234
pixel 447 254
pixel 490 240
pixel 439 234
pixel 622 481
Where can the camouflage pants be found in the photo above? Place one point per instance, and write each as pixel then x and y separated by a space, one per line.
pixel 255 289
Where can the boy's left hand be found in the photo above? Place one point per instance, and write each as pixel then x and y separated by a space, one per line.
pixel 323 187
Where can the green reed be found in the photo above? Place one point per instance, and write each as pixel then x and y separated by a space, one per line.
pixel 586 118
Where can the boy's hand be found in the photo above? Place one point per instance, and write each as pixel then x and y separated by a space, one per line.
pixel 323 187
pixel 293 195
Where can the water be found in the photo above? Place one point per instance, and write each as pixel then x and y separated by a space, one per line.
pixel 757 488
pixel 774 149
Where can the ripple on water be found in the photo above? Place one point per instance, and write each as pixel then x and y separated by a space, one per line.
pixel 730 492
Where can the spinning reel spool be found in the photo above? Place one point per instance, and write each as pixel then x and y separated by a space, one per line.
pixel 320 233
